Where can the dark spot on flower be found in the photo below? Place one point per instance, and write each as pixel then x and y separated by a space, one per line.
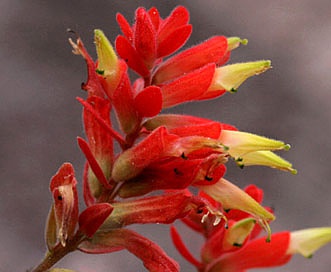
pixel 237 245
pixel 126 60
pixel 177 172
pixel 183 156
pixel 60 197
pixel 100 72
pixel 227 210
pixel 208 178
pixel 199 210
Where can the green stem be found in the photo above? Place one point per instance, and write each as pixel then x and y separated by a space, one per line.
pixel 58 252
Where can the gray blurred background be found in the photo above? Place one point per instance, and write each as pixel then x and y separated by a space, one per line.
pixel 40 117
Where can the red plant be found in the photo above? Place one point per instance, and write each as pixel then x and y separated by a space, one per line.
pixel 166 155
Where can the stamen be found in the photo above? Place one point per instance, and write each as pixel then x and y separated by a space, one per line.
pixel 264 224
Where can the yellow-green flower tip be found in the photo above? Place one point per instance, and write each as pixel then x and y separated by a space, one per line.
pixel 230 77
pixel 266 158
pixel 107 58
pixel 238 232
pixel 232 197
pixel 307 241
pixel 241 143
pixel 234 42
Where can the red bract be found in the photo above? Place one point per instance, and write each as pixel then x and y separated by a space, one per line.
pixel 151 37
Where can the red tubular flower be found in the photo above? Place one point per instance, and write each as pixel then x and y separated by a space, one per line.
pixel 163 209
pixel 214 50
pixel 100 144
pixel 65 197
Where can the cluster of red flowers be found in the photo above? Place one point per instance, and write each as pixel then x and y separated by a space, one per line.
pixel 142 172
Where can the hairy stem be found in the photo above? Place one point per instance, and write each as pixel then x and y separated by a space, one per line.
pixel 58 252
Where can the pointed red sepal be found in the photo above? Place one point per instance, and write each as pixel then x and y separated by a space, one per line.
pixel 92 86
pixel 179 17
pixel 173 174
pixel 145 37
pixel 132 161
pixel 189 87
pixel 89 199
pixel 148 102
pixel 174 41
pixel 125 26
pixel 255 254
pixel 153 257
pixel 210 51
pixel 155 17
pixel 182 249
pixel 100 141
pixel 123 103
pixel 93 217
pixel 163 209
pixel 103 123
pixel 65 197
pixel 128 53
pixel 187 125
pixel 211 130
pixel 93 163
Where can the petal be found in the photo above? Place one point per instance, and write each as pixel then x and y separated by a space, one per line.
pixel 188 87
pixel 125 26
pixel 97 179
pixel 255 254
pixel 174 41
pixel 108 64
pixel 232 197
pixel 63 188
pixel 148 102
pixel 163 209
pixel 307 241
pixel 210 51
pixel 132 161
pixel 265 158
pixel 123 103
pixel 129 54
pixel 153 257
pixel 177 173
pixel 50 230
pixel 187 125
pixel 178 17
pixel 241 143
pixel 155 17
pixel 93 217
pixel 93 85
pixel 237 234
pixel 145 37
pixel 231 76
